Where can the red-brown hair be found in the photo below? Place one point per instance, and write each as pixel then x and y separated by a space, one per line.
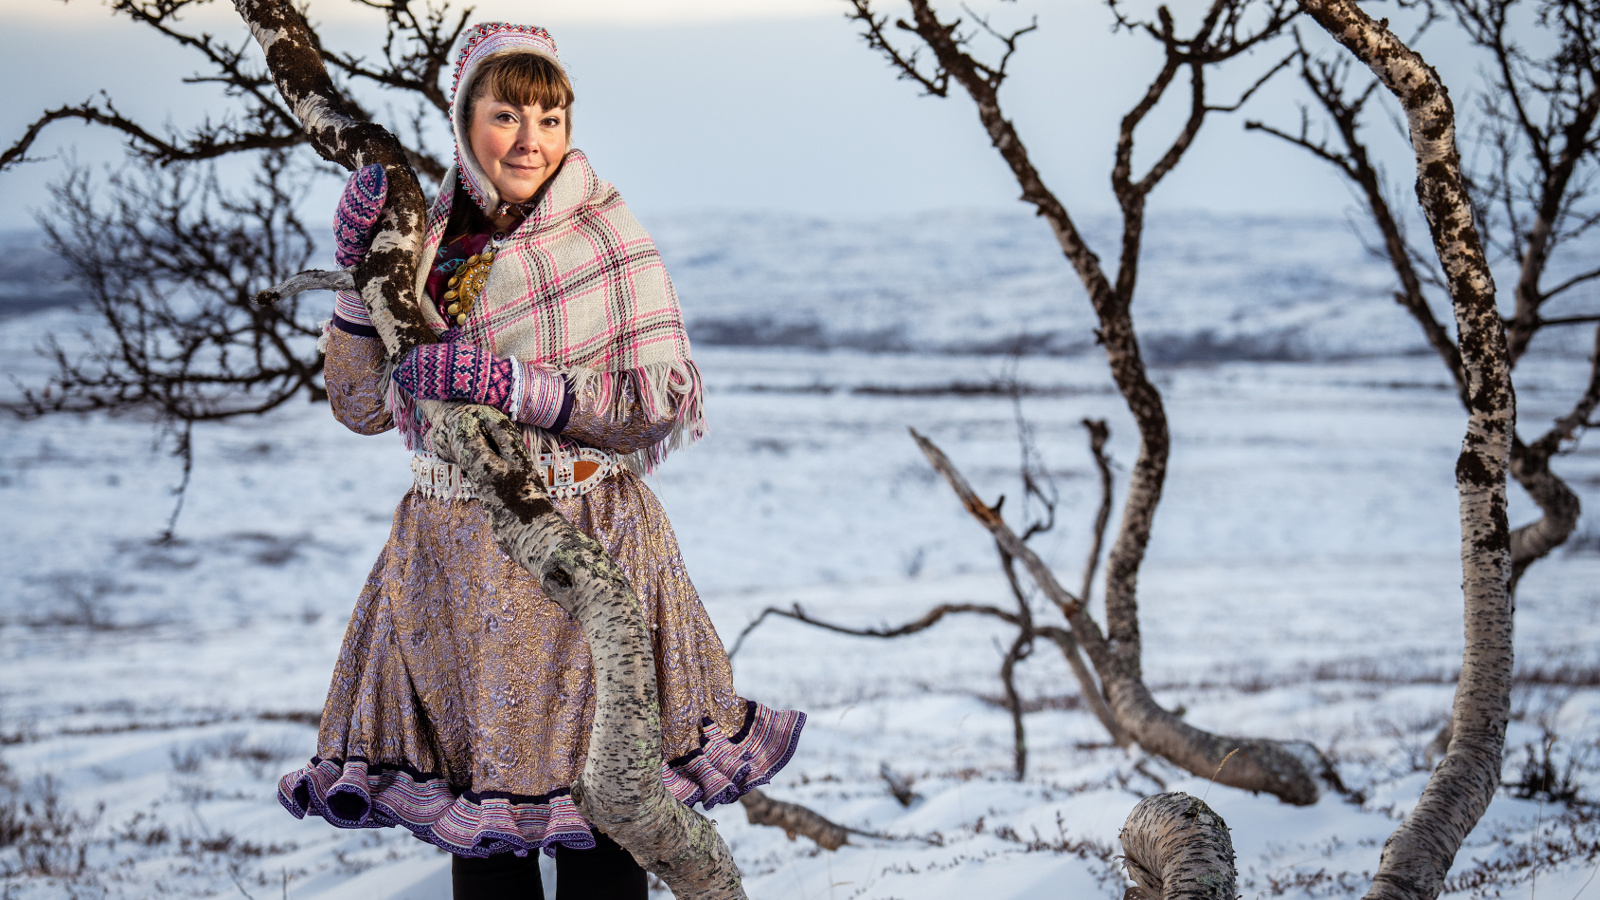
pixel 522 79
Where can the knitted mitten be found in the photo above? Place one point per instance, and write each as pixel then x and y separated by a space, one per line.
pixel 357 212
pixel 457 370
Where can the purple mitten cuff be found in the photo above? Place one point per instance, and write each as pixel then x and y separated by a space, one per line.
pixel 544 399
pixel 357 212
pixel 350 314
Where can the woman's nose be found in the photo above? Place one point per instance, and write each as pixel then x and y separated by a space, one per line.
pixel 526 137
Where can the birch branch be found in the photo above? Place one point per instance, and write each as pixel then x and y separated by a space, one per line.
pixel 309 280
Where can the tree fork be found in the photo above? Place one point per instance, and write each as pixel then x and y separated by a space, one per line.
pixel 620 789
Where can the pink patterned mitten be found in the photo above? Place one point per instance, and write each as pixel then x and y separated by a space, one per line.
pixel 357 212
pixel 457 370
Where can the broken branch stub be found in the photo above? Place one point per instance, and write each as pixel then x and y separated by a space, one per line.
pixel 1177 848
pixel 309 280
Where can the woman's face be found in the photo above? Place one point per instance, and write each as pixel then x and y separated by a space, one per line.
pixel 519 147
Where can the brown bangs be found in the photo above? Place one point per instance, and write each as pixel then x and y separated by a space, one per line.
pixel 524 79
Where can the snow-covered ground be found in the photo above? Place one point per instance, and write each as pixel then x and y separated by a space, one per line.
pixel 1303 580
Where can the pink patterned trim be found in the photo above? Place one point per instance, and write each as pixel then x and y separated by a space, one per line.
pixel 357 793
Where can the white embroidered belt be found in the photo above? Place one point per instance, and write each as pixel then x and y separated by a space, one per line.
pixel 566 475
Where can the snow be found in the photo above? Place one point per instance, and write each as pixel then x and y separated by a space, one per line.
pixel 1303 578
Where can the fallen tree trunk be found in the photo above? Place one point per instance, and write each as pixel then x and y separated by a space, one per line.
pixel 620 790
pixel 794 819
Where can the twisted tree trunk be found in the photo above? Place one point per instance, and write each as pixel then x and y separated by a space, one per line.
pixel 620 789
pixel 1418 855
pixel 1283 769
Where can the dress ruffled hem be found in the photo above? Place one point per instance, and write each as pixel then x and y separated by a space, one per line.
pixel 357 793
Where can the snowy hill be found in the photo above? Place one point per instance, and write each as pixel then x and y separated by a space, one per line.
pixel 1303 580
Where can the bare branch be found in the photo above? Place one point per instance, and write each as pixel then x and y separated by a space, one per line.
pixel 141 141
pixel 1020 648
pixel 1251 90
pixel 905 64
pixel 1568 284
pixel 1087 686
pixel 1098 435
pixel 989 518
pixel 927 621
pixel 309 280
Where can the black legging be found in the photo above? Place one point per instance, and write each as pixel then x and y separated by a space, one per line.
pixel 607 872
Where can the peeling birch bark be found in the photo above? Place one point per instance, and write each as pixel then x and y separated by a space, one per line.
pixel 620 790
pixel 1418 855
pixel 1176 848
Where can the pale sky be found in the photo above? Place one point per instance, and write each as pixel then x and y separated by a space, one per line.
pixel 552 11
pixel 732 105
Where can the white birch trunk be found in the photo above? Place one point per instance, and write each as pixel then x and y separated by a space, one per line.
pixel 1418 855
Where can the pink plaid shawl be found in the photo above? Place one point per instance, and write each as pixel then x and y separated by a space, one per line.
pixel 580 289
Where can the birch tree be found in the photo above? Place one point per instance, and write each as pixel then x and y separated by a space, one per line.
pixel 1417 856
pixel 169 256
pixel 1227 30
pixel 1532 191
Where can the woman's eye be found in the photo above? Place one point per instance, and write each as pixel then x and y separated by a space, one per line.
pixel 551 122
pixel 506 118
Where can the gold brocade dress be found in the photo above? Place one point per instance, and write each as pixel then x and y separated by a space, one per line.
pixel 462 699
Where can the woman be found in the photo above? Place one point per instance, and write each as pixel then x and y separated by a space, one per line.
pixel 461 703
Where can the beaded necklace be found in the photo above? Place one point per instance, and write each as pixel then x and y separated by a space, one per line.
pixel 466 285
